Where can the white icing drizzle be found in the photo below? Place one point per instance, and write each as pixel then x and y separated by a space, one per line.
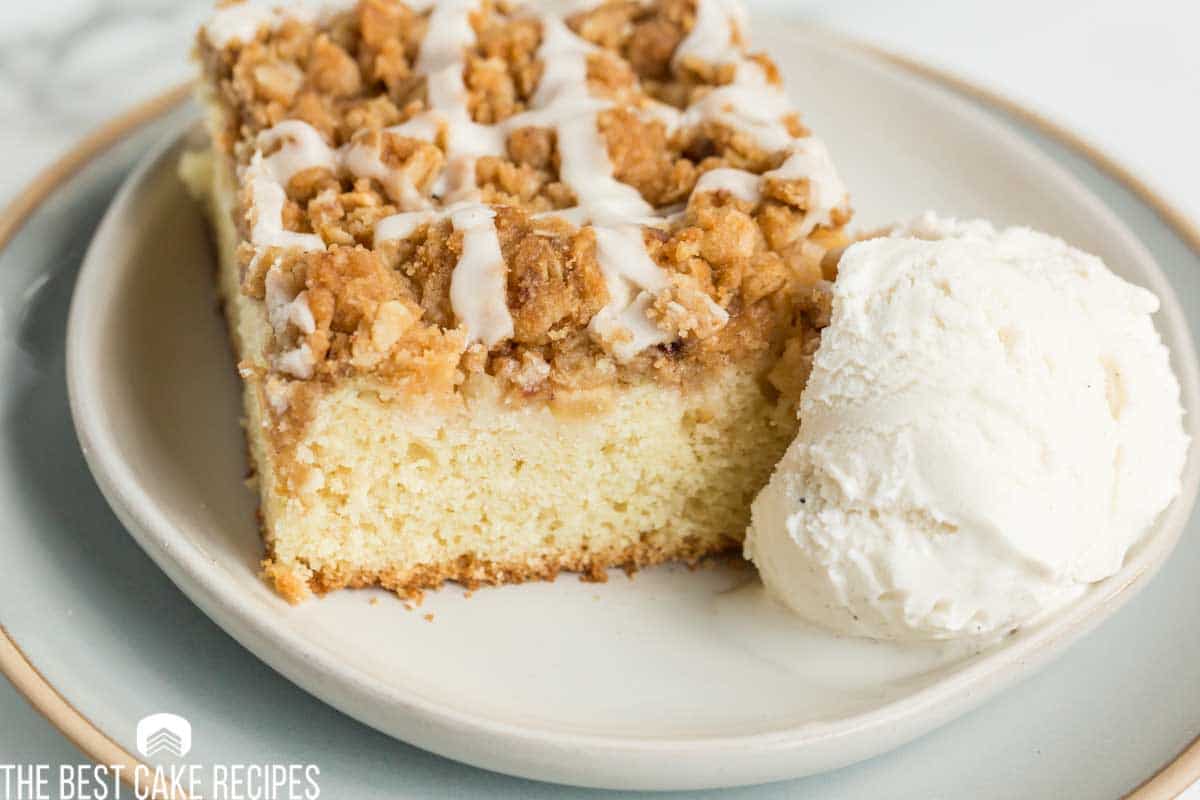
pixel 753 105
pixel 562 101
pixel 401 226
pixel 624 249
pixel 711 38
pixel 738 182
pixel 586 168
pixel 442 61
pixel 564 72
pixel 297 362
pixel 301 147
pixel 809 160
pixel 630 275
pixel 287 309
pixel 424 127
pixel 668 115
pixel 266 211
pixel 632 279
pixel 366 161
pixel 750 104
pixel 240 23
pixel 561 8
pixel 237 23
pixel 478 283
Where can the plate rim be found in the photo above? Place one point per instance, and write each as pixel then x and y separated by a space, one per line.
pixel 1176 774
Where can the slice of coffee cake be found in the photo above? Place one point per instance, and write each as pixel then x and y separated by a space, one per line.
pixel 514 290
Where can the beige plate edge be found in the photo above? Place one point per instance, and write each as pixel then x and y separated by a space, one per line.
pixel 1170 781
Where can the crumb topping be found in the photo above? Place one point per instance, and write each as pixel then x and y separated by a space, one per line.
pixel 429 190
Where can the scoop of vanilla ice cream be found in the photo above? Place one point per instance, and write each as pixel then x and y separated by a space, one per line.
pixel 990 423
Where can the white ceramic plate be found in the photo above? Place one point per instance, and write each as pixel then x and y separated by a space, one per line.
pixel 668 681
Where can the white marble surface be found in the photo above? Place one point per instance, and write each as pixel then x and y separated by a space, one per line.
pixel 1126 76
